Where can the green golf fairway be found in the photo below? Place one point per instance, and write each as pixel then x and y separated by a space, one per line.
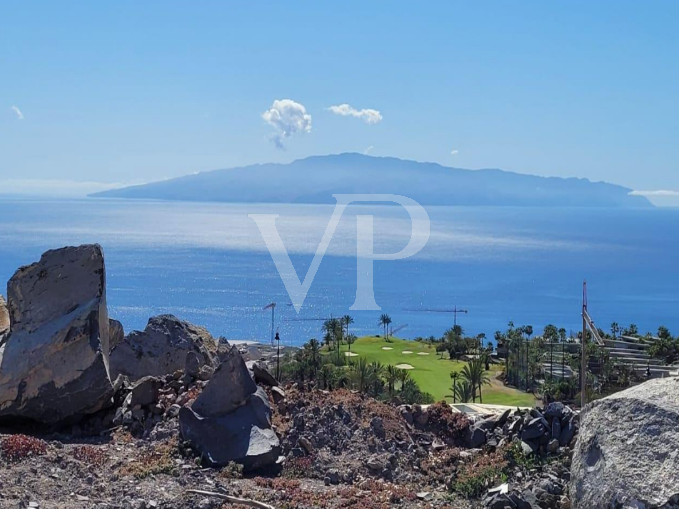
pixel 431 372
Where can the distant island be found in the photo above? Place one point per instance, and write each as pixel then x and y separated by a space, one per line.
pixel 315 179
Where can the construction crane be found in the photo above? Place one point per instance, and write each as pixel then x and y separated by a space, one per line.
pixel 455 311
pixel 398 328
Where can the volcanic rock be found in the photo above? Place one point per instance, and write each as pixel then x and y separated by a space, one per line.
pixel 627 452
pixel 231 419
pixel 116 334
pixel 4 316
pixel 161 348
pixel 54 363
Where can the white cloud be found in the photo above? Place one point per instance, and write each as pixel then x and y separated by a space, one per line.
pixel 368 150
pixel 16 110
pixel 454 152
pixel 658 192
pixel 369 116
pixel 287 117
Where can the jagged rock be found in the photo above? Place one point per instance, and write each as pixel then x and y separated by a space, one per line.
pixel 567 434
pixel 231 419
pixel 161 348
pixel 305 444
pixel 116 334
pixel 54 362
pixel 205 372
pixel 534 429
pixel 192 364
pixel 627 452
pixel 261 374
pixel 229 388
pixel 476 437
pixel 495 421
pixel 277 394
pixel 145 391
pixel 4 316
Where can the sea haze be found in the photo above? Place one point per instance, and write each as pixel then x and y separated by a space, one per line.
pixel 207 263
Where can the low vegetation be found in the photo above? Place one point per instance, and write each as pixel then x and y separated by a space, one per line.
pixel 19 447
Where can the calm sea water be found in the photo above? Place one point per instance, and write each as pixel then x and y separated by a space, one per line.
pixel 208 264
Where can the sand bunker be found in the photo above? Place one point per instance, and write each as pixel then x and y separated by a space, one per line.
pixel 387 348
pixel 404 366
pixel 422 353
pixel 350 354
pixel 406 352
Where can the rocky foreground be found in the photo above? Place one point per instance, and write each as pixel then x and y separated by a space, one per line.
pixel 170 417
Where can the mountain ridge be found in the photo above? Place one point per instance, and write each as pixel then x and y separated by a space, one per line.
pixel 315 179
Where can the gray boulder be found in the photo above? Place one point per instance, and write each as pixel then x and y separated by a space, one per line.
pixel 116 334
pixel 161 348
pixel 145 391
pixel 4 316
pixel 54 362
pixel 229 388
pixel 261 374
pixel 627 451
pixel 231 419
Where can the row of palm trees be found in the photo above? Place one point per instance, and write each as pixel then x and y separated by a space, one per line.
pixel 336 330
pixel 308 364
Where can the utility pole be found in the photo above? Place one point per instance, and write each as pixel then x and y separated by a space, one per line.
pixel 278 356
pixel 271 306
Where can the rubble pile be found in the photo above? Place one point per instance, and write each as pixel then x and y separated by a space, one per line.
pixel 539 431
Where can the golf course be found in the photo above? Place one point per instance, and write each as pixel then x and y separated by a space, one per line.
pixel 431 372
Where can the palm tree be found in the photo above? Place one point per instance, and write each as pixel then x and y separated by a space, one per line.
pixel 615 328
pixel 314 349
pixel 361 374
pixel 378 371
pixel 334 328
pixel 385 320
pixel 328 376
pixel 455 376
pixel 464 391
pixel 403 377
pixel 391 376
pixel 347 320
pixel 351 339
pixel 476 375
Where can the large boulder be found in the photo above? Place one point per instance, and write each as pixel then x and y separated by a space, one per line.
pixel 161 348
pixel 231 419
pixel 4 316
pixel 54 363
pixel 627 451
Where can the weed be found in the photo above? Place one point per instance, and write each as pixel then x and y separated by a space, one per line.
pixel 17 447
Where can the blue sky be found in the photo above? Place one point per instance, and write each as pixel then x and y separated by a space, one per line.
pixel 122 92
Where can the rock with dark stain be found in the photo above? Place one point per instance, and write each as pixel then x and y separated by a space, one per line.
pixel 54 363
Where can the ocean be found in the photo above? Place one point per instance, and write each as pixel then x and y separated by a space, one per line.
pixel 207 263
